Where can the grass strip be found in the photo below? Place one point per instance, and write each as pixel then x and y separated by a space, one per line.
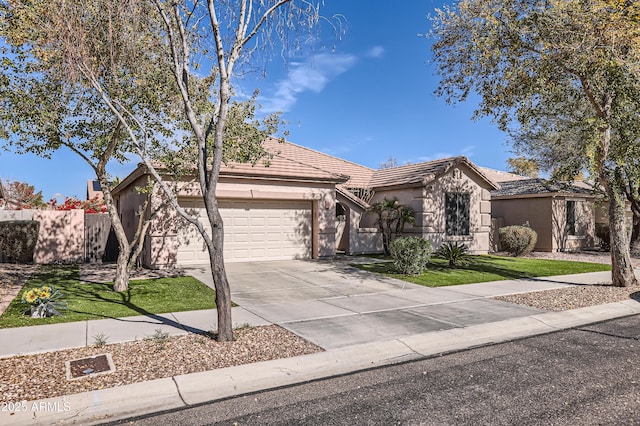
pixel 483 268
pixel 89 300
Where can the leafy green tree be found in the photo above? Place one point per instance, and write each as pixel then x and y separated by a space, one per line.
pixel 523 166
pixel 562 75
pixel 76 75
pixel 137 73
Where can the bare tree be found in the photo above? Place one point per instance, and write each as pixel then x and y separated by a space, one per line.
pixel 234 33
pixel 388 163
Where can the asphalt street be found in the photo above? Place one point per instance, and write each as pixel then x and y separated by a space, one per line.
pixel 583 376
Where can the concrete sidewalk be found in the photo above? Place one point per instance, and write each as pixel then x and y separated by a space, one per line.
pixel 408 322
pixel 359 312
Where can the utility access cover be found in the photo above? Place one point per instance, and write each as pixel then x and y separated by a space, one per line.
pixel 89 367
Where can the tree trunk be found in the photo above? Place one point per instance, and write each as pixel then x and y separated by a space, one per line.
pixel 622 274
pixel 221 284
pixel 121 280
pixel 385 240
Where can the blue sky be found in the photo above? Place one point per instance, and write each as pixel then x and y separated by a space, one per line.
pixel 366 99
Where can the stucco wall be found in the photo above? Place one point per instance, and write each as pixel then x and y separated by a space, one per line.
pixel 465 181
pixel 363 239
pixel 162 241
pixel 429 204
pixel 585 225
pixel 358 235
pixel 536 211
pixel 547 216
pixel 61 236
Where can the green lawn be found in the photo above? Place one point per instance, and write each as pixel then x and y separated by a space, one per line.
pixel 97 301
pixel 486 268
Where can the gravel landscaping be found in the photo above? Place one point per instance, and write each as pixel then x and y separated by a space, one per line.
pixel 574 297
pixel 579 296
pixel 43 375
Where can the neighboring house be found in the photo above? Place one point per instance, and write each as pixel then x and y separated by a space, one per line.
pixel 307 204
pixel 563 215
pixel 94 190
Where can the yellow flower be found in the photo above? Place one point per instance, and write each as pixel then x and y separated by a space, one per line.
pixel 44 295
pixel 31 296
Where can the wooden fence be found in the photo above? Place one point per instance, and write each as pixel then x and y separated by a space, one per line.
pixel 70 236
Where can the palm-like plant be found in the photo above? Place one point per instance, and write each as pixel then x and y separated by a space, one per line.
pixel 456 253
pixel 391 219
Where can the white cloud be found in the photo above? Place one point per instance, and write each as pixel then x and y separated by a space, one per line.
pixel 312 75
pixel 336 151
pixel 435 156
pixel 467 151
pixel 375 52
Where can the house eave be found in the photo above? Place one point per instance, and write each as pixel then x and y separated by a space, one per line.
pixel 406 185
pixel 545 195
pixel 281 178
pixel 345 195
pixel 139 171
pixel 142 170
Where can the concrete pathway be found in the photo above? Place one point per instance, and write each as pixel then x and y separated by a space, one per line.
pixel 328 303
pixel 334 305
pixel 363 320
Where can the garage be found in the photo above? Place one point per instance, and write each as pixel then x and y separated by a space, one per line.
pixel 255 230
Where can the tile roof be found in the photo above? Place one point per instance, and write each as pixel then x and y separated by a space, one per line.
pixel 352 197
pixel 291 161
pixel 359 176
pixel 277 167
pixel 421 173
pixel 540 187
pixel 280 167
pixel 500 176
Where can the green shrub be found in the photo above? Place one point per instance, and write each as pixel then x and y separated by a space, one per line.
pixel 18 240
pixel 410 254
pixel 456 253
pixel 518 240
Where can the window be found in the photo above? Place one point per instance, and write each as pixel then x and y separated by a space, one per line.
pixel 457 213
pixel 571 218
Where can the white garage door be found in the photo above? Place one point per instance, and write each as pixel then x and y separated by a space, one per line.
pixel 254 230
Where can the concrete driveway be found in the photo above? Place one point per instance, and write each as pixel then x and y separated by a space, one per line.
pixel 333 304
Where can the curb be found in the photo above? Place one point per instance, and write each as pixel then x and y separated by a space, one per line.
pixel 138 399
